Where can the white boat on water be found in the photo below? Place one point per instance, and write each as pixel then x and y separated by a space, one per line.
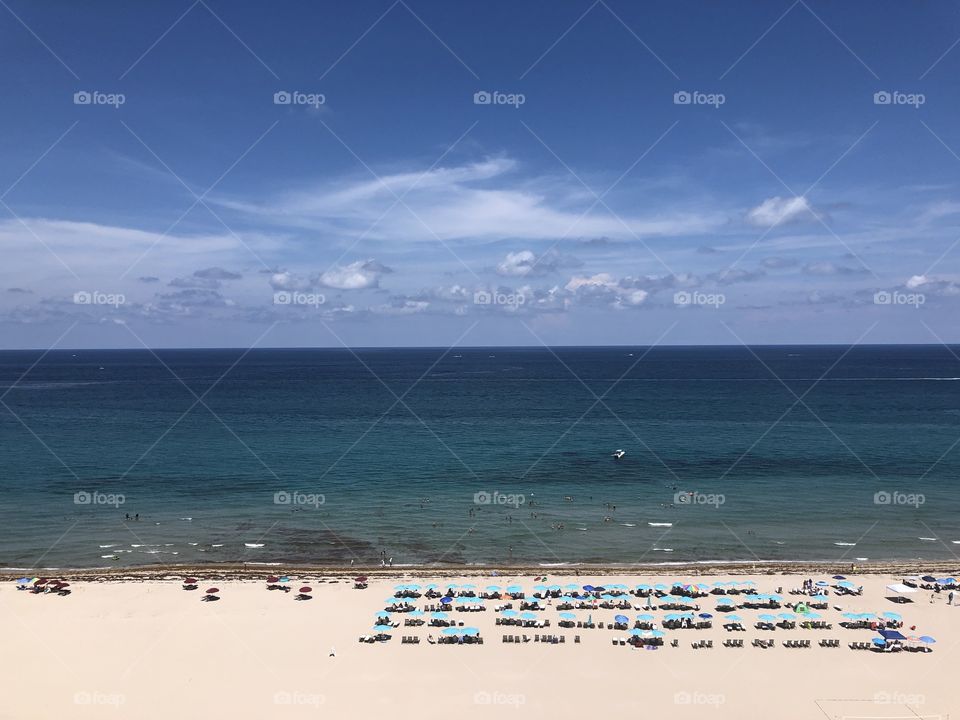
pixel 619 454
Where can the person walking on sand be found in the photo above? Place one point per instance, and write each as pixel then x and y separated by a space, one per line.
pixel 950 598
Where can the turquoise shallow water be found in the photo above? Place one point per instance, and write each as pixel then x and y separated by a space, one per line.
pixel 326 456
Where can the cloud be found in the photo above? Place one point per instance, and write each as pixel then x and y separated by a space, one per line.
pixel 19 291
pixel 603 289
pixel 526 263
pixel 732 276
pixel 359 275
pixel 147 279
pixel 780 211
pixel 216 273
pixel 825 268
pixel 777 263
pixel 290 281
pixel 480 200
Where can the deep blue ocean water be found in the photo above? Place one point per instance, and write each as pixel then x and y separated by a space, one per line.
pixel 385 451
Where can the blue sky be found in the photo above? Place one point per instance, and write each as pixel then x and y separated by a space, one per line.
pixel 587 203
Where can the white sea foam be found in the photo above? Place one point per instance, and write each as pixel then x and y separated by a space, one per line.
pixel 663 549
pixel 842 544
pixel 629 524
pixel 108 546
pixel 253 545
pixel 926 539
pixel 660 524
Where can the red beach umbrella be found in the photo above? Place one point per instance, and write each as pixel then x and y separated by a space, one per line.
pixel 362 578
pixel 41 581
pixel 189 581
pixel 63 585
pixel 273 579
pixel 212 591
pixel 306 589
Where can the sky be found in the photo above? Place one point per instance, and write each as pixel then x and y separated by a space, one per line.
pixel 425 173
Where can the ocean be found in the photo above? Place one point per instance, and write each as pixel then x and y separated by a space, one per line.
pixel 479 455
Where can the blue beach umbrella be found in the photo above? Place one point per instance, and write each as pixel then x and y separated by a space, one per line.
pixel 416 613
pixel 470 631
pixel 446 600
pixel 493 588
pixel 850 615
pixel 509 613
pixel 890 615
pixel 725 601
pixel 706 616
pixel 768 617
pixel 539 588
pixel 636 632
pixel 660 586
pixel 573 587
pixel 468 586
pixel 451 631
pixel 439 616
pixel 734 618
pixel 926 639
pixel 383 613
pixel 514 589
pixel 553 587
pixel 878 641
pixel 589 588
pixel 645 617
pixel 822 583
pixel 819 598
pixel 621 619
pixel 567 616
pixel 383 628
pixel 432 586
pixel 787 616
pixel 528 616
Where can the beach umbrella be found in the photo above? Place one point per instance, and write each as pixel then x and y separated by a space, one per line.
pixel 822 583
pixel 890 615
pixel 850 615
pixel 660 586
pixel 493 588
pixel 270 579
pixel 768 618
pixel 567 616
pixel 636 632
pixel 450 631
pixel 845 583
pixel 621 619
pixel 571 586
pixel 839 577
pixel 383 628
pixel 470 631
pixel 446 600
pixel 748 583
pixel 212 591
pixel 947 581
pixel 813 616
pixel 510 613
pixel 553 587
pixel 878 641
pixel 415 588
pixel 891 635
pixel 819 598
pixel 787 616
pixel 439 616
pixel 383 613
pixel 528 616
pixel 929 578
pixel 734 618
pixel 589 588
pixel 645 617
pixel 539 588
pixel 643 586
pixel 926 639
pixel 706 616
pixel 725 601
pixel 306 589
pixel 514 589
pixel 416 613
pixel 360 579
pixel 285 579
pixel 432 586
pixel 399 587
pixel 655 633
pixel 468 587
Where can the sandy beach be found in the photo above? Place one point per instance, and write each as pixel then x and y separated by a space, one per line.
pixel 149 649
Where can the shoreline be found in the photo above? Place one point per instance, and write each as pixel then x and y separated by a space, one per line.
pixel 242 571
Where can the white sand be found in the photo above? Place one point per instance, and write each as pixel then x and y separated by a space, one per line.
pixel 151 650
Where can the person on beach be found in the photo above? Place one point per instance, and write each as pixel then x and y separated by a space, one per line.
pixel 950 598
